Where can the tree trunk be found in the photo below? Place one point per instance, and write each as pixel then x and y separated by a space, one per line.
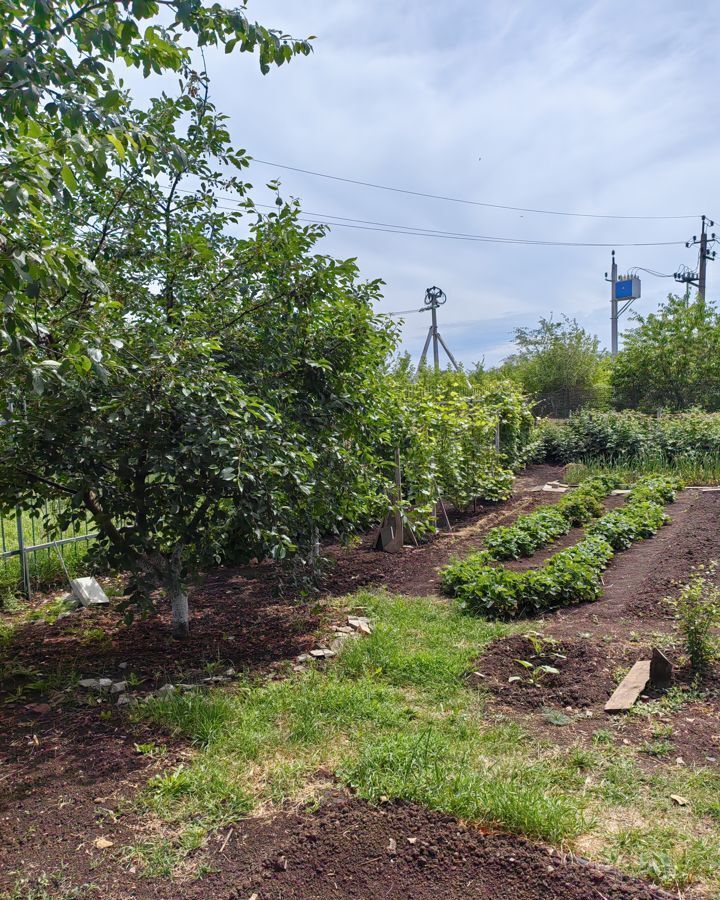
pixel 179 602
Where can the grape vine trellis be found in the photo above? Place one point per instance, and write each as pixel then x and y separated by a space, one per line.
pixel 445 430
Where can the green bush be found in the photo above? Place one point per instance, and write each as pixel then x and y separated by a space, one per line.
pixel 698 613
pixel 655 489
pixel 627 436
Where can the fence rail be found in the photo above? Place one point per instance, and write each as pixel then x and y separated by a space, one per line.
pixel 44 538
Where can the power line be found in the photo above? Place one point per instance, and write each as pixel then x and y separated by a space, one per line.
pixel 417 231
pixel 397 190
pixel 649 271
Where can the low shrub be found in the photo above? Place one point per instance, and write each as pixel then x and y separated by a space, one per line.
pixel 627 436
pixel 698 613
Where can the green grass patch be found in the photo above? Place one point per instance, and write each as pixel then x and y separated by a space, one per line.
pixel 394 717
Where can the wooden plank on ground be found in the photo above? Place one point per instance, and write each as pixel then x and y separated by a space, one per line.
pixel 630 688
pixel 661 670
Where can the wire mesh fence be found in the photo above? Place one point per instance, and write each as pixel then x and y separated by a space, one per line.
pixel 33 549
pixel 562 404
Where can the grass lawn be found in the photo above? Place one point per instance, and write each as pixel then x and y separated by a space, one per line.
pixel 394 718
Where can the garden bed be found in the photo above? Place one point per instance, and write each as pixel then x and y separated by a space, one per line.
pixel 72 766
pixel 602 640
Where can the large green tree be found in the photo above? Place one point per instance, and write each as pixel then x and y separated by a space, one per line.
pixel 64 124
pixel 671 358
pixel 225 402
pixel 559 362
pixel 198 380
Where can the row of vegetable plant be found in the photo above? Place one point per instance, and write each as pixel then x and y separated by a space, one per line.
pixel 538 529
pixel 571 576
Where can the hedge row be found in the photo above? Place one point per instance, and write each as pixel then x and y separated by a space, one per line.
pixel 627 436
pixel 540 528
pixel 570 576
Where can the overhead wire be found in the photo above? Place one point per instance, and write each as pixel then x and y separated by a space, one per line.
pixel 649 271
pixel 417 231
pixel 385 187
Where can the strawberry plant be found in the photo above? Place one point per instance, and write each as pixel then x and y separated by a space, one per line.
pixel 634 522
pixel 570 576
pixel 540 528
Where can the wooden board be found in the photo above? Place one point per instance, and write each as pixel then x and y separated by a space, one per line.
pixel 661 670
pixel 630 688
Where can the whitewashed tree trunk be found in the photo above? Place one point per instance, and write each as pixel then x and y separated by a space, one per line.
pixel 179 603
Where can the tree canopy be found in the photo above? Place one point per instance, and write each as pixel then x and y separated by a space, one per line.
pixel 66 122
pixel 559 360
pixel 193 375
pixel 671 358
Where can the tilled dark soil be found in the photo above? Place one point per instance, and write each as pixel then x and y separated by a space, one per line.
pixel 350 850
pixel 414 571
pixel 603 639
pixel 398 851
pixel 584 674
pixel 67 774
pixel 240 615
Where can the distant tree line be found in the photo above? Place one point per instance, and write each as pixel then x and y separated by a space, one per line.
pixel 669 361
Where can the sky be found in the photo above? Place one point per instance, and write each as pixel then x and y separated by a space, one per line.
pixel 604 108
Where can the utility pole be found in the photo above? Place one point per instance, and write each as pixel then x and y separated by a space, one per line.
pixel 613 309
pixel 434 298
pixel 699 279
pixel 623 287
pixel 703 259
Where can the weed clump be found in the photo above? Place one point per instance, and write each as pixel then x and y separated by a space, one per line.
pixel 698 612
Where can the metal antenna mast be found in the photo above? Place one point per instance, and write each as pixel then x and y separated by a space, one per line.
pixel 435 298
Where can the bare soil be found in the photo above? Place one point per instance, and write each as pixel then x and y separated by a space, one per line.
pixel 602 640
pixel 398 851
pixel 69 765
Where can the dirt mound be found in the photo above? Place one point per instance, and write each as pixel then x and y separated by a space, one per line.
pixel 513 670
pixel 348 849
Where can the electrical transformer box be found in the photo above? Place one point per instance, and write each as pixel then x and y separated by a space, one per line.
pixel 627 289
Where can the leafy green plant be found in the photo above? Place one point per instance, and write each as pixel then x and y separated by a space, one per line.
pixel 570 576
pixel 698 613
pixel 631 439
pixel 540 528
pixel 535 672
pixel 445 429
pixel 527 534
pixel 634 522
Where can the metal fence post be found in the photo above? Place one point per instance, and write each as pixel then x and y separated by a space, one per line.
pixel 23 555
